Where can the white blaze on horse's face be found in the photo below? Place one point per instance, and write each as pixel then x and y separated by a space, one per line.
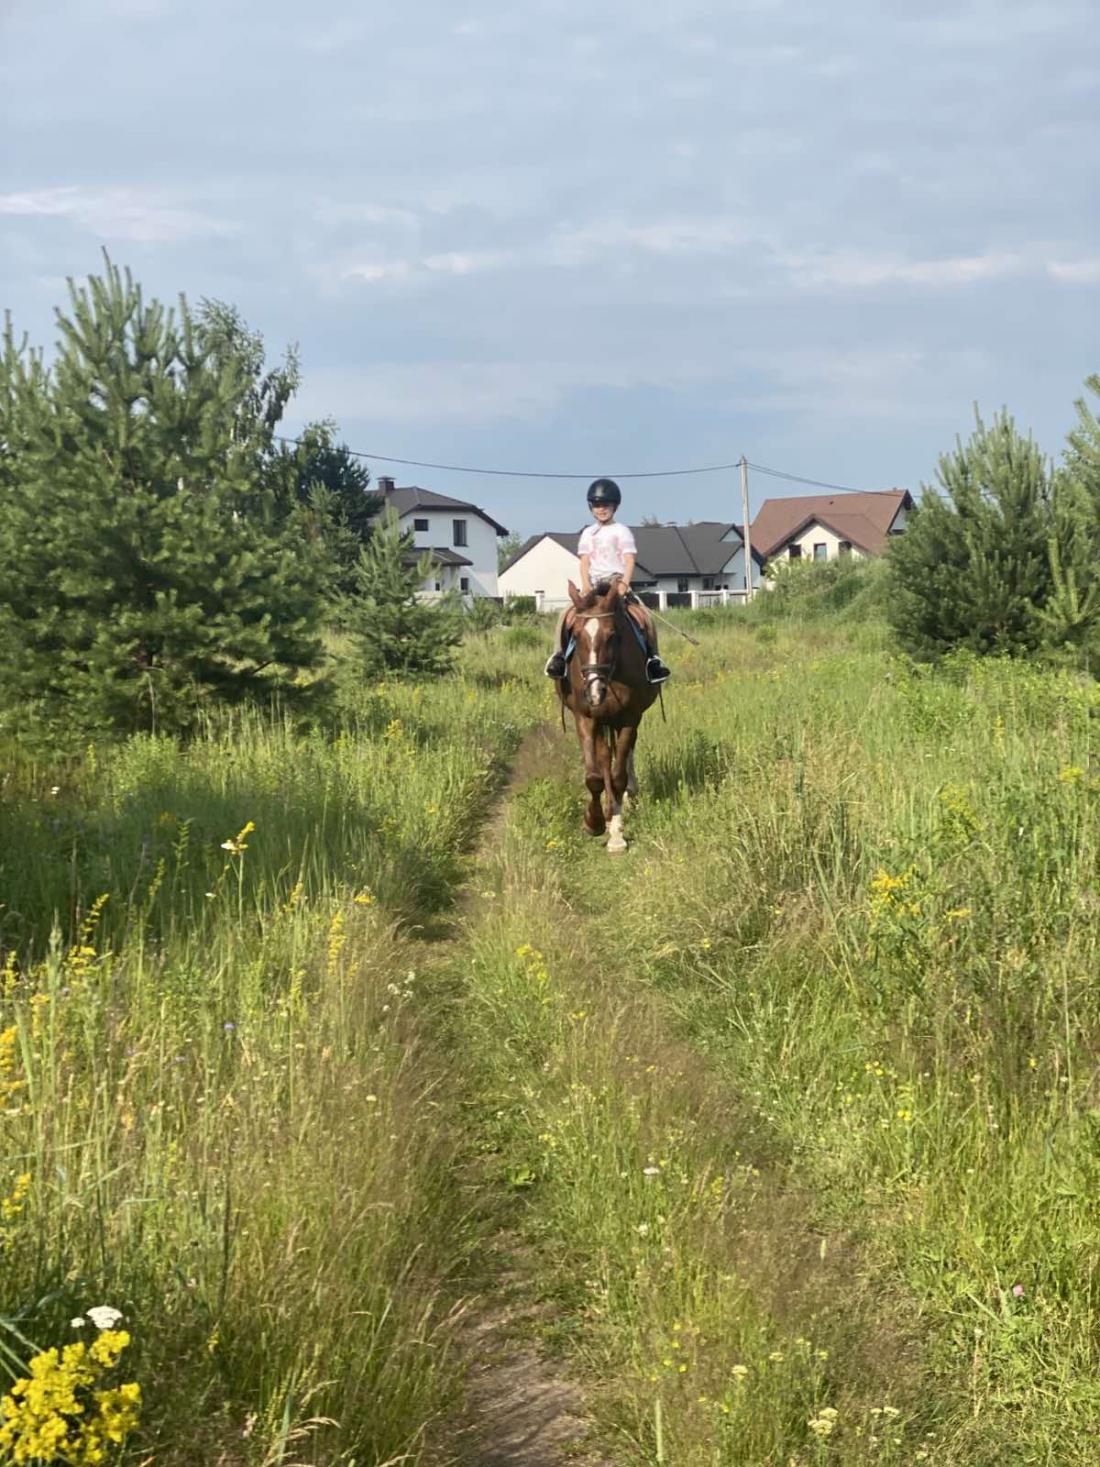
pixel 594 668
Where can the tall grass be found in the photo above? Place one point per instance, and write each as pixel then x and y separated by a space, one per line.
pixel 816 1062
pixel 790 1113
pixel 217 1073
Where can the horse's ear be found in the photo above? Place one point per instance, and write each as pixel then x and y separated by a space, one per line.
pixel 574 595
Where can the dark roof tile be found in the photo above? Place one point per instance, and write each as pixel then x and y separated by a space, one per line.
pixel 409 497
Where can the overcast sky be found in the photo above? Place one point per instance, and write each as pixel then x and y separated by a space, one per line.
pixel 588 237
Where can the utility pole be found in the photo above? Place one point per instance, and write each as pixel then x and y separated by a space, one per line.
pixel 745 533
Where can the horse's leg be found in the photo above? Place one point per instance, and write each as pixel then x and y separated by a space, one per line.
pixel 618 773
pixel 631 777
pixel 593 775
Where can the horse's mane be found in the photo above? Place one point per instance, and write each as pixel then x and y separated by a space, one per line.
pixel 598 592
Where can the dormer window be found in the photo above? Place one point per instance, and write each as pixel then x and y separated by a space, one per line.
pixel 459 532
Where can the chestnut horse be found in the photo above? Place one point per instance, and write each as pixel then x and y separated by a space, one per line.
pixel 607 693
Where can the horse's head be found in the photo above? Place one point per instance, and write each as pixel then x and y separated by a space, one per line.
pixel 596 630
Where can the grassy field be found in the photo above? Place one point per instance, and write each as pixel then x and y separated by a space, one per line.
pixel 789 1116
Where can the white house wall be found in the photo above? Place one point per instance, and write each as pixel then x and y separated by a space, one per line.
pixel 480 549
pixel 817 535
pixel 544 573
pixel 547 568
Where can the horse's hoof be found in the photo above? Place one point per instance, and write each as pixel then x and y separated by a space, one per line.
pixel 616 848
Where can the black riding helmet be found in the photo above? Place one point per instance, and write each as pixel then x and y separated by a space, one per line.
pixel 605 491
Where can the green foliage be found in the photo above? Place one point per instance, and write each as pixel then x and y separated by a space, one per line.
pixel 973 569
pixel 521 605
pixel 845 1018
pixel 324 479
pixel 482 614
pixel 394 633
pixel 507 546
pixel 1071 616
pixel 523 636
pixel 148 573
pixel 850 587
pixel 226 964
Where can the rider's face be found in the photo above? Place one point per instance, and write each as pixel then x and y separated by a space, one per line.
pixel 603 512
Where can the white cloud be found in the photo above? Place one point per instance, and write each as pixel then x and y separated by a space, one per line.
pixel 448 262
pixel 679 236
pixel 423 393
pixel 477 393
pixel 853 271
pixel 143 216
pixel 457 262
pixel 374 272
pixel 1075 272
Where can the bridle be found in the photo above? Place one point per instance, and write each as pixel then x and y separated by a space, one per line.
pixel 592 672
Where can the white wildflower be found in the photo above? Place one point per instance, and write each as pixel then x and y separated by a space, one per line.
pixel 103 1316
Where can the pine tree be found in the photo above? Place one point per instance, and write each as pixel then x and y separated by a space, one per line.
pixel 396 634
pixel 325 480
pixel 148 573
pixel 974 567
pixel 1071 617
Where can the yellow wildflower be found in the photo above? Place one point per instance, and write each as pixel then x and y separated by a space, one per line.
pixel 56 1414
pixel 237 844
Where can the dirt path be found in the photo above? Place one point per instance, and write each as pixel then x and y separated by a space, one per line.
pixel 521 1408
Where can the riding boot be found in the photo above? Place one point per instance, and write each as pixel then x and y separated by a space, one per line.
pixel 556 666
pixel 656 671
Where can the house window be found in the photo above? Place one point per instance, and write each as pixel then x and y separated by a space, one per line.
pixel 795 552
pixel 682 586
pixel 421 525
pixel 464 582
pixel 438 586
pixel 845 547
pixel 460 532
pixel 708 583
pixel 821 551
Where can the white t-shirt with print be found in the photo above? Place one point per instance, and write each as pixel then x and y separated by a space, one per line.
pixel 605 546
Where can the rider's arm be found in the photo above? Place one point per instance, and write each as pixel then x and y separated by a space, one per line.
pixel 628 561
pixel 586 584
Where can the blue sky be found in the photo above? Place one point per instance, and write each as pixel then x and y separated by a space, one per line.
pixel 591 238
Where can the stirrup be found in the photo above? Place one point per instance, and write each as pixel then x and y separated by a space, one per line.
pixel 556 657
pixel 656 671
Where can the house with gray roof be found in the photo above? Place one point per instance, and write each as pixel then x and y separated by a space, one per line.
pixel 459 536
pixel 699 564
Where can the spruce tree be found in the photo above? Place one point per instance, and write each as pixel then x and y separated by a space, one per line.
pixel 148 573
pixel 395 633
pixel 974 567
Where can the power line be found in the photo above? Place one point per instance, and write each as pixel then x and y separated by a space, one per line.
pixel 817 483
pixel 416 463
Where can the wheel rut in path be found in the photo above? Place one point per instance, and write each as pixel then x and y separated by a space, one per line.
pixel 521 1408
